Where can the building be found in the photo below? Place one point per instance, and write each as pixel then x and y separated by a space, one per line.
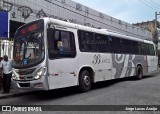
pixel 149 26
pixel 24 11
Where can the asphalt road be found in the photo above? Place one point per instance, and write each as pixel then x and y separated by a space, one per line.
pixel 127 91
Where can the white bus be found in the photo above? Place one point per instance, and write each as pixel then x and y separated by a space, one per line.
pixel 50 54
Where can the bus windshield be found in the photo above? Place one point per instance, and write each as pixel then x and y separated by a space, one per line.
pixel 28 46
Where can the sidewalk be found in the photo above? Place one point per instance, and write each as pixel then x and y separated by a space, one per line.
pixel 14 93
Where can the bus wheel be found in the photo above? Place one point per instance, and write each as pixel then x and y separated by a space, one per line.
pixel 139 73
pixel 84 81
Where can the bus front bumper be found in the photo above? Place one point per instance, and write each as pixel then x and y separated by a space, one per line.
pixel 39 84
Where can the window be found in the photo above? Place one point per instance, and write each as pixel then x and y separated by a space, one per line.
pixel 131 47
pixel 151 49
pixel 135 47
pixel 95 42
pixel 110 43
pixel 61 44
pixel 115 44
pixel 101 43
pixel 86 41
pixel 144 48
pixel 139 47
pixel 125 46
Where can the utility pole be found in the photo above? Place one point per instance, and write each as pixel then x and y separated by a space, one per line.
pixel 156 32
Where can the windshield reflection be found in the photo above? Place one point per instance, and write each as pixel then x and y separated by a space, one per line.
pixel 28 49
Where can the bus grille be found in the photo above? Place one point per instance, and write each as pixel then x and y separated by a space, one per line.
pixel 25 72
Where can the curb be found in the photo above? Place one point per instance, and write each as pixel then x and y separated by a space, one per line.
pixel 4 96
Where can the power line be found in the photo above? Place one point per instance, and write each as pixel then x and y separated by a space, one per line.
pixel 153 4
pixel 146 5
pixel 158 4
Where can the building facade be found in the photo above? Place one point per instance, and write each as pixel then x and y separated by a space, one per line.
pixel 150 26
pixel 24 11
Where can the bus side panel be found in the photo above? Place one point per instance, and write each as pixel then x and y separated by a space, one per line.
pixel 152 63
pixel 124 65
pixel 62 73
pixel 99 62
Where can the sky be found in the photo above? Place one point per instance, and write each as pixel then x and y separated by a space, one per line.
pixel 131 11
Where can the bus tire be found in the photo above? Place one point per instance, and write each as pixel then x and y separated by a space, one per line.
pixel 84 81
pixel 139 74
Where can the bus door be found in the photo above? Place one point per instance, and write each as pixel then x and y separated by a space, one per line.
pixel 152 59
pixel 154 63
pixel 62 61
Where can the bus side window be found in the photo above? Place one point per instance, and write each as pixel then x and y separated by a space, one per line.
pixel 81 40
pixel 125 46
pixel 101 43
pixel 135 46
pixel 65 36
pixel 86 39
pixel 57 42
pixel 151 49
pixel 110 43
pixel 50 38
pixel 116 45
pixel 61 44
pixel 144 48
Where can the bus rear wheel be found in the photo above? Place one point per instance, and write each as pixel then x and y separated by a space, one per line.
pixel 84 81
pixel 139 73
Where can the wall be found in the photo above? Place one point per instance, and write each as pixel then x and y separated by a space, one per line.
pixel 28 10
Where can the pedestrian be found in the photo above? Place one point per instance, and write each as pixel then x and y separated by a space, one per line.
pixel 6 66
pixel 0 74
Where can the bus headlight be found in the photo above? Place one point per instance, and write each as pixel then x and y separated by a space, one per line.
pixel 14 77
pixel 40 73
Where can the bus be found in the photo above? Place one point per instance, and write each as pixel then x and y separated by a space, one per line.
pixel 51 54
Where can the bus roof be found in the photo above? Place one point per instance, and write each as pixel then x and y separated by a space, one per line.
pixel 90 29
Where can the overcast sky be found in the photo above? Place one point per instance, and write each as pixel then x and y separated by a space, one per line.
pixel 131 11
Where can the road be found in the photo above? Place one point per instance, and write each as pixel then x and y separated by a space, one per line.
pixel 127 91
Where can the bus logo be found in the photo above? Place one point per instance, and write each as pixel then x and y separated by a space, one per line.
pixel 6 108
pixel 97 59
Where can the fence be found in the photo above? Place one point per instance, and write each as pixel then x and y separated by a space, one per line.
pixel 6 48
